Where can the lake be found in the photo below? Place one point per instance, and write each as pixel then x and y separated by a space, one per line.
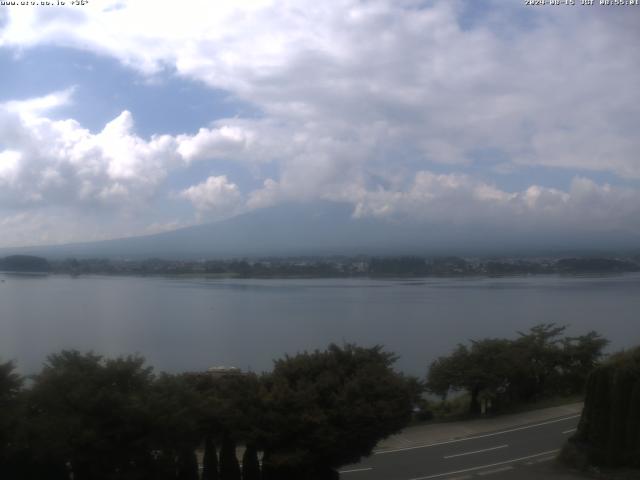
pixel 188 324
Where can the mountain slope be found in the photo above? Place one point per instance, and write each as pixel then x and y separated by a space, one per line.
pixel 324 228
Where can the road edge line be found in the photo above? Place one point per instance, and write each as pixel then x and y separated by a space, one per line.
pixel 466 439
pixel 486 466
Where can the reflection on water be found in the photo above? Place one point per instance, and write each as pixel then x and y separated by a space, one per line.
pixel 181 324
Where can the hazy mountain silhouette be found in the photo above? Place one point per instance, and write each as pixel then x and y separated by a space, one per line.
pixel 325 228
pixel 321 228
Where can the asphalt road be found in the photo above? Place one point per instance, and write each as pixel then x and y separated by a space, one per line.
pixel 481 456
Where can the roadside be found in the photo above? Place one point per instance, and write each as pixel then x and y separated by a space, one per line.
pixel 544 466
pixel 551 469
pixel 441 432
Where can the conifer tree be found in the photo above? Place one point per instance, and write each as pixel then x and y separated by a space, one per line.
pixel 187 465
pixel 210 460
pixel 229 466
pixel 250 464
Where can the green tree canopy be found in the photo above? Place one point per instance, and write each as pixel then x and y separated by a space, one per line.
pixel 539 362
pixel 485 367
pixel 100 419
pixel 10 390
pixel 609 430
pixel 329 408
pixel 91 413
pixel 230 404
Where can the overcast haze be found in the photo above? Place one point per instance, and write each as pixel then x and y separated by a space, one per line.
pixel 123 118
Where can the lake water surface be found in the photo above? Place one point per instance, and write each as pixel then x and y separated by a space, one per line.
pixel 186 324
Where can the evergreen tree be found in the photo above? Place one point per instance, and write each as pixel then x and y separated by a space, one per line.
pixel 210 460
pixel 187 465
pixel 250 464
pixel 229 467
pixel 609 431
pixel 162 466
pixel 176 422
pixel 10 389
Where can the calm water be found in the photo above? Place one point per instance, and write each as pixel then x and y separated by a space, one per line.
pixel 182 324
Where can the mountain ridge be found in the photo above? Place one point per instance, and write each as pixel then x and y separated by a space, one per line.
pixel 325 229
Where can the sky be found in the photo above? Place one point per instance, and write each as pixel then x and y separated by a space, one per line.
pixel 121 118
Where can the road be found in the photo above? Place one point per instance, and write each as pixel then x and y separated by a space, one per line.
pixel 479 456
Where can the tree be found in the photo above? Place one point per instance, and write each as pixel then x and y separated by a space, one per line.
pixel 538 363
pixel 609 430
pixel 250 463
pixel 10 383
pixel 90 413
pixel 580 356
pixel 230 405
pixel 445 372
pixel 24 263
pixel 489 371
pixel 229 466
pixel 398 266
pixel 329 408
pixel 538 354
pixel 482 370
pixel 210 460
pixel 10 390
pixel 177 410
pixel 187 465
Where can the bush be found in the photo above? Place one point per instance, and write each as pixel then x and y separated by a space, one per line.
pixel 609 431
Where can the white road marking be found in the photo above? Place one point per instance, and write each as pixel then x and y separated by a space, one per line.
pixel 383 452
pixel 357 470
pixel 495 470
pixel 403 441
pixel 569 431
pixel 540 460
pixel 477 451
pixel 486 466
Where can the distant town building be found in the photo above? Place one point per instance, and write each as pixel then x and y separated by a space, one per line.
pixel 218 372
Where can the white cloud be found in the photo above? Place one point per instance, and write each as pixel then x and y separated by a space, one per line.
pixel 9 166
pixel 358 101
pixel 461 199
pixel 51 225
pixel 357 67
pixel 40 105
pixel 60 162
pixel 214 143
pixel 57 163
pixel 216 196
pixel 267 196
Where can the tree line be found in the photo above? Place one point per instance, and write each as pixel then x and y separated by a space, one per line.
pixel 87 417
pixel 358 266
pixel 497 373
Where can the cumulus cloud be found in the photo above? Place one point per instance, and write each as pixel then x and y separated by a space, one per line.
pixel 223 142
pixel 358 101
pixel 61 163
pixel 405 68
pixel 214 197
pixel 58 161
pixel 9 165
pixel 461 199
pixel 39 105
